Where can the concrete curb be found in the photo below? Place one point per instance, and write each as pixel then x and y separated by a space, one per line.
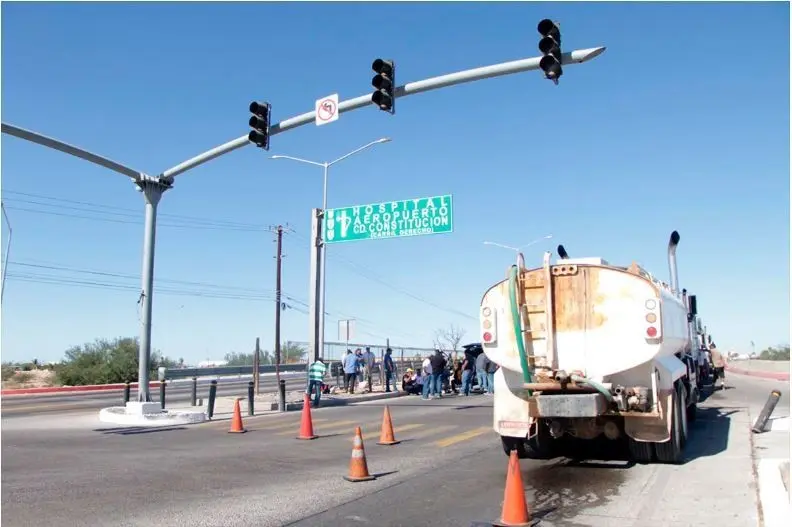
pixel 117 415
pixel 325 403
pixel 773 495
pixel 773 375
pixel 263 409
pixel 69 389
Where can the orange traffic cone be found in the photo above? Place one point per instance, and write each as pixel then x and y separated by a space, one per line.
pixel 515 510
pixel 386 435
pixel 358 468
pixel 236 420
pixel 306 423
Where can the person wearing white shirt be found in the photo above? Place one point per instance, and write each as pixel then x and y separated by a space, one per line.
pixel 426 373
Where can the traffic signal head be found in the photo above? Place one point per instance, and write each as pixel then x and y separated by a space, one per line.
pixel 550 46
pixel 260 123
pixel 384 83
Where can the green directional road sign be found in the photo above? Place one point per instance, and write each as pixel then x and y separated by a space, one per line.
pixel 390 219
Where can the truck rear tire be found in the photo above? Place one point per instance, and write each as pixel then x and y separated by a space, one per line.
pixel 692 410
pixel 640 451
pixel 540 446
pixel 671 451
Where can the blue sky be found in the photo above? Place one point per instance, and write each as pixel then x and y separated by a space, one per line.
pixel 679 125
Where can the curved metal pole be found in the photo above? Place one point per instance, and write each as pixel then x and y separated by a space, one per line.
pixel 412 88
pixel 66 148
pixel 321 313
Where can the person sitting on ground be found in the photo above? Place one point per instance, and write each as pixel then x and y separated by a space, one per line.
pixel 411 383
pixel 456 376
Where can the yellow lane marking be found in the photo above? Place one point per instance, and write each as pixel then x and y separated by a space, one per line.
pixel 464 436
pixel 252 423
pixel 434 429
pixel 337 425
pixel 375 432
pixel 15 409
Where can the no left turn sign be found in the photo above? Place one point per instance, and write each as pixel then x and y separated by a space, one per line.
pixel 327 109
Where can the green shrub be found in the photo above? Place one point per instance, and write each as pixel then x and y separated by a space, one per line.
pixel 104 362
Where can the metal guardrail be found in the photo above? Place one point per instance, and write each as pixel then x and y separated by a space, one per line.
pixel 220 371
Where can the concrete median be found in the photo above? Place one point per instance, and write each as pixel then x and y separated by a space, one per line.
pixel 267 403
pixel 766 369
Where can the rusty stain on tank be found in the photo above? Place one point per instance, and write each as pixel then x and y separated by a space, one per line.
pixel 576 298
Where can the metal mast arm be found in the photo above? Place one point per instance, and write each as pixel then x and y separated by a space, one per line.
pixel 434 83
pixel 66 148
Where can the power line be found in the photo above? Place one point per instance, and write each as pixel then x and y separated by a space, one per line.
pixel 126 209
pixel 200 224
pixel 121 215
pixel 198 289
pixel 361 272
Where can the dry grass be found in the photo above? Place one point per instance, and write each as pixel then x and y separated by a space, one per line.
pixel 30 379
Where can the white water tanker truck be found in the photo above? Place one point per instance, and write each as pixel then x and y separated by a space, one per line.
pixel 588 348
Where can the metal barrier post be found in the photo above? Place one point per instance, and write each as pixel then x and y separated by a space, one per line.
pixel 212 396
pixel 282 396
pixel 127 390
pixel 251 390
pixel 767 411
pixel 194 392
pixel 162 394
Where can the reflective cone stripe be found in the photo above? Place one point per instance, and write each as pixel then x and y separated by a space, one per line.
pixel 358 468
pixel 236 420
pixel 306 424
pixel 515 510
pixel 386 435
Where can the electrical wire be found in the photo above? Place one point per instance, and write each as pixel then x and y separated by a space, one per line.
pixel 198 289
pixel 369 274
pixel 115 214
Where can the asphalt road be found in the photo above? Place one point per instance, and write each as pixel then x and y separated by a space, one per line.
pixel 177 393
pixel 449 470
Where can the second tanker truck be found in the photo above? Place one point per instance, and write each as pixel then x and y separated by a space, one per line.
pixel 586 349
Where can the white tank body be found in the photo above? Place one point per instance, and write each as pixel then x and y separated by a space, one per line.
pixel 604 319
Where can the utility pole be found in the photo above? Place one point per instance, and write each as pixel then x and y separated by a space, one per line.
pixel 278 262
pixel 279 230
pixel 257 368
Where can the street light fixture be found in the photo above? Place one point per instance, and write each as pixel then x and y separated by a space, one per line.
pixel 322 269
pixel 520 258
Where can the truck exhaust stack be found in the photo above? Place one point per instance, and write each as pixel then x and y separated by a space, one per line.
pixel 562 252
pixel 672 263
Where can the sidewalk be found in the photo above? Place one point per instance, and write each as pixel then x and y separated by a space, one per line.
pixel 771 452
pixel 267 403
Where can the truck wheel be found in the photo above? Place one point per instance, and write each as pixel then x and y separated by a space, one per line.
pixel 640 451
pixel 539 446
pixel 671 450
pixel 683 420
pixel 692 410
pixel 514 443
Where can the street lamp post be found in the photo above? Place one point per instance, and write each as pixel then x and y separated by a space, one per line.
pixel 323 260
pixel 518 250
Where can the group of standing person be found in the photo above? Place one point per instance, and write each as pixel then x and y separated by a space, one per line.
pixel 437 376
pixel 359 367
